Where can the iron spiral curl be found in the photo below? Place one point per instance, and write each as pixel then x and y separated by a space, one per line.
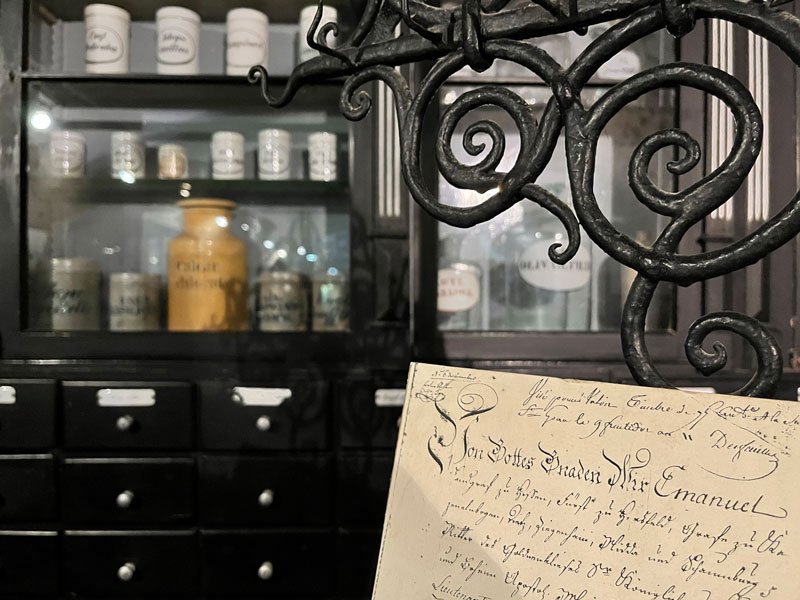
pixel 480 31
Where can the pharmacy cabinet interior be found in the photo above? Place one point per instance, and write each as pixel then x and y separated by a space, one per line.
pixel 158 208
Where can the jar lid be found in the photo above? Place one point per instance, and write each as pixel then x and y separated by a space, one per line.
pixel 108 10
pixel 72 264
pixel 275 276
pixel 328 13
pixel 134 277
pixel 177 11
pixel 171 148
pixel 249 14
pixel 272 132
pixel 220 203
pixel 124 136
pixel 65 134
pixel 222 135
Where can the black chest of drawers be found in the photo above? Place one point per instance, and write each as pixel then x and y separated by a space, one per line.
pixel 194 489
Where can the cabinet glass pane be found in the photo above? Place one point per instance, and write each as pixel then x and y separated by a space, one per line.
pixel 498 277
pixel 102 202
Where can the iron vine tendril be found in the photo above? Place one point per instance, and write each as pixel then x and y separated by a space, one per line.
pixel 480 31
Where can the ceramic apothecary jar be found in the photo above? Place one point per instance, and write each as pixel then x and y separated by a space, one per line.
pixel 207 272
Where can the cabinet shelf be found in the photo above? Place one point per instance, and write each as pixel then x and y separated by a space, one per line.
pixel 334 194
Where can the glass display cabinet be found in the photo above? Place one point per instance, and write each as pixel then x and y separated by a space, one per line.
pixel 112 162
pixel 491 293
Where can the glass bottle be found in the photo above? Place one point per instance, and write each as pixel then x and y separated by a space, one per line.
pixel 207 270
pixel 458 299
pixel 330 291
pixel 543 295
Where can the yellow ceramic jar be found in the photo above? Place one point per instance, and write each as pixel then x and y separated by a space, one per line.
pixel 207 271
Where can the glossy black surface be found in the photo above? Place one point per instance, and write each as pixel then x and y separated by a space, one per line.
pixel 167 424
pixel 127 492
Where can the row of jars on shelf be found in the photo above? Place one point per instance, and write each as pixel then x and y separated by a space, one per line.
pixel 206 289
pixel 177 45
pixel 67 153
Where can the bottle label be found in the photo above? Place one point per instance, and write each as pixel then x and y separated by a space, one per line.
pixel 176 47
pixel 245 48
pixel 103 45
pixel 129 157
pixel 458 290
pixel 623 65
pixel 536 268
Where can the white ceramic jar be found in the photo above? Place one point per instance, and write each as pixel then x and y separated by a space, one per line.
pixel 107 38
pixel 134 301
pixel 329 15
pixel 178 41
pixel 322 156
pixel 227 155
pixel 127 155
pixel 246 41
pixel 67 153
pixel 75 284
pixel 274 154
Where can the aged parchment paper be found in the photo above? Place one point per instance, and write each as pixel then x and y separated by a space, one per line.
pixel 514 486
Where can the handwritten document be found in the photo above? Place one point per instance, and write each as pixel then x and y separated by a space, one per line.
pixel 521 487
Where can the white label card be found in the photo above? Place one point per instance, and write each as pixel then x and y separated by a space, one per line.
pixel 8 395
pixel 389 397
pixel 124 397
pixel 253 396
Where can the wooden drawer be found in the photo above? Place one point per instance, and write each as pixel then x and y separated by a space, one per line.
pixel 363 488
pixel 127 491
pixel 129 563
pixel 267 565
pixel 369 412
pixel 356 563
pixel 135 415
pixel 265 491
pixel 27 414
pixel 27 488
pixel 28 563
pixel 281 414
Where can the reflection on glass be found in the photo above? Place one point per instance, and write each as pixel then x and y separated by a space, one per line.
pixel 104 177
pixel 499 276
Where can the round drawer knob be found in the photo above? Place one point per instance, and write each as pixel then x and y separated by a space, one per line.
pixel 126 571
pixel 125 423
pixel 263 423
pixel 399 420
pixel 265 498
pixel 125 499
pixel 265 570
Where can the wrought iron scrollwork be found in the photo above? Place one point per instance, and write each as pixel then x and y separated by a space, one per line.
pixel 477 33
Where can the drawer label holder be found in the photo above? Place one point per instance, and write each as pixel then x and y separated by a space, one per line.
pixel 126 397
pixel 256 396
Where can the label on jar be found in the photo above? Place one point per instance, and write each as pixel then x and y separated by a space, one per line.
pixel 245 48
pixel 458 290
pixel 129 157
pixel 103 45
pixel 207 293
pixel 282 307
pixel 227 160
pixel 176 46
pixel 624 64
pixel 273 160
pixel 134 309
pixel 66 157
pixel 536 268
